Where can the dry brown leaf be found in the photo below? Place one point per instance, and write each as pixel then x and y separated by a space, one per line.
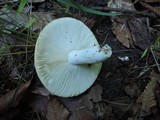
pixel 122 32
pixel 130 30
pixel 56 111
pixel 147 98
pixel 95 93
pixel 90 23
pixel 12 98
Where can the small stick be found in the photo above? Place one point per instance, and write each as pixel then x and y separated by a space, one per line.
pixel 152 9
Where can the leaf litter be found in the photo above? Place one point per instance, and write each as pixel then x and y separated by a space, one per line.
pixel 120 92
pixel 12 98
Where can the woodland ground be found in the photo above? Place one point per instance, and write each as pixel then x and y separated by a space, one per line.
pixel 128 86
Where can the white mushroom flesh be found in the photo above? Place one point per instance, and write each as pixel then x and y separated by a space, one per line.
pixel 90 55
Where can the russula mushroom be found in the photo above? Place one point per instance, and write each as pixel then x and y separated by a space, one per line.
pixel 68 57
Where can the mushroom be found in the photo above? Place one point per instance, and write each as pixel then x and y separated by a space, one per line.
pixel 68 57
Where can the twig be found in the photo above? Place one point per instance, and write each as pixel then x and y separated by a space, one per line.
pixel 152 9
pixel 125 11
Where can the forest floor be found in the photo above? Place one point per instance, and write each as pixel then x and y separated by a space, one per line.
pixel 128 86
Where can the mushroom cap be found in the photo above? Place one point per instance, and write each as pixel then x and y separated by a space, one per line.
pixel 54 43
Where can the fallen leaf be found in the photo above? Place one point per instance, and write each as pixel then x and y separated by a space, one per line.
pixel 122 32
pixel 147 98
pixel 80 107
pixel 74 102
pixel 56 111
pixel 140 33
pixel 96 93
pixel 90 23
pixel 12 98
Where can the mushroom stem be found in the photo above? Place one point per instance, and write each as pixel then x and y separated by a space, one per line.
pixel 90 55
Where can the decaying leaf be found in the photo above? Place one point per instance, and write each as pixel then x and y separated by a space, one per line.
pixel 12 98
pixel 132 32
pixel 129 30
pixel 95 93
pixel 122 32
pixel 132 89
pixel 147 98
pixel 119 25
pixel 56 111
pixel 76 103
pixel 85 100
pixel 140 33
pixel 80 107
pixel 90 23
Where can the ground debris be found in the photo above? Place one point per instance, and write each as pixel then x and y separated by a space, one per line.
pixel 56 111
pixel 140 39
pixel 147 98
pixel 12 98
pixel 117 93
